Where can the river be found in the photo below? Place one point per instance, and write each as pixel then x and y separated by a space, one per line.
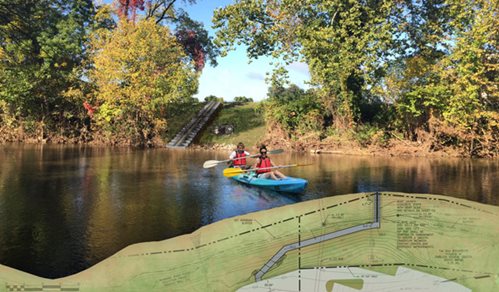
pixel 65 208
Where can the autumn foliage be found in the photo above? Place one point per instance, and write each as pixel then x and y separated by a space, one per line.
pixel 128 8
pixel 188 39
pixel 138 70
pixel 189 33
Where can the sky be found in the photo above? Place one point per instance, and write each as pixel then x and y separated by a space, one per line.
pixel 234 76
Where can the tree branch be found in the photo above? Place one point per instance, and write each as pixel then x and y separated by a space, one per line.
pixel 156 6
pixel 164 11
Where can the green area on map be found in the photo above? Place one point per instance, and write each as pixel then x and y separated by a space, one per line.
pixel 451 238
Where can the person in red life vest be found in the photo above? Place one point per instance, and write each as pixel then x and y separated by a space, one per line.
pixel 265 162
pixel 241 154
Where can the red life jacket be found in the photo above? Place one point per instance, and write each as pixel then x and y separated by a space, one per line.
pixel 241 161
pixel 264 163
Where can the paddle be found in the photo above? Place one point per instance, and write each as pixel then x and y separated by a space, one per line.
pixel 229 172
pixel 212 163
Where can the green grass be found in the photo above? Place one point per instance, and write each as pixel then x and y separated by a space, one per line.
pixel 247 119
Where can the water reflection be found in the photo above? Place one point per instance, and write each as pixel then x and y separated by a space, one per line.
pixel 63 209
pixel 463 178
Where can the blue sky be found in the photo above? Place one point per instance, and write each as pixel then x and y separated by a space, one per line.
pixel 234 76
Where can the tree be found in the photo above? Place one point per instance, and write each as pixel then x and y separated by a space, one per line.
pixel 445 84
pixel 470 74
pixel 128 8
pixel 43 48
pixel 345 43
pixel 213 98
pixel 429 65
pixel 295 109
pixel 471 71
pixel 191 34
pixel 196 41
pixel 413 75
pixel 243 99
pixel 138 69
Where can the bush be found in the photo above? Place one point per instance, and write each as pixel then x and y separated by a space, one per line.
pixel 367 134
pixel 243 99
pixel 294 109
pixel 213 98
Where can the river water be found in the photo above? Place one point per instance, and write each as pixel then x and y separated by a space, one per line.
pixel 65 208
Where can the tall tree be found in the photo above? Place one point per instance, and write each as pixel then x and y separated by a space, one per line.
pixel 470 73
pixel 444 79
pixel 43 46
pixel 138 69
pixel 345 43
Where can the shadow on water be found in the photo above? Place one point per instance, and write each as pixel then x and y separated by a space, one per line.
pixel 63 208
pixel 269 196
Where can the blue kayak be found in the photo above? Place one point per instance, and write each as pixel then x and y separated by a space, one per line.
pixel 288 185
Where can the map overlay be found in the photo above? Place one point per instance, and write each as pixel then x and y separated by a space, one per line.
pixel 359 242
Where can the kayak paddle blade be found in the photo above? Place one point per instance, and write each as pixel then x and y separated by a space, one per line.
pixel 230 172
pixel 210 163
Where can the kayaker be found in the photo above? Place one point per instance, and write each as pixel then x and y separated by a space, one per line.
pixel 263 162
pixel 241 154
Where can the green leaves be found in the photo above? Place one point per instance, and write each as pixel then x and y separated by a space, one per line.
pixel 42 49
pixel 429 61
pixel 294 109
pixel 60 58
pixel 138 69
pixel 338 40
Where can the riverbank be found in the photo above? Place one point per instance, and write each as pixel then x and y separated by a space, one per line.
pixel 81 137
pixel 312 145
pixel 275 139
pixel 86 131
pixel 250 128
pixel 346 147
pixel 396 149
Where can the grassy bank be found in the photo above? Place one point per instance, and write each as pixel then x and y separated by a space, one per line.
pixel 251 129
pixel 248 122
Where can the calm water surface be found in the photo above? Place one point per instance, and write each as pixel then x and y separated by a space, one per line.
pixel 63 209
